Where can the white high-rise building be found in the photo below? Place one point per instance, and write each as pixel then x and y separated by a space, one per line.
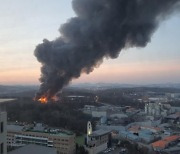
pixel 3 132
pixel 157 109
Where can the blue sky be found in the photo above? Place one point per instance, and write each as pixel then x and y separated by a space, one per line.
pixel 25 23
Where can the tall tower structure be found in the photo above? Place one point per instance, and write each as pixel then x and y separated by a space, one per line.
pixel 89 130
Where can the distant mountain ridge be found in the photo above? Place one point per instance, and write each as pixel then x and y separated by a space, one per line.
pixel 27 90
pixel 16 90
pixel 119 85
pixel 81 85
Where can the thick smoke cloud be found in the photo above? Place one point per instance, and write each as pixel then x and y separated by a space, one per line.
pixel 102 28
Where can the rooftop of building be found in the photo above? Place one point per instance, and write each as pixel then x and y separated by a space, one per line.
pixel 40 129
pixel 171 138
pixel 110 127
pixel 118 115
pixel 16 128
pixel 159 144
pixel 137 128
pixel 152 128
pixel 34 149
pixel 134 129
pixel 174 116
pixel 63 133
pixel 164 142
pixel 132 136
pixel 99 132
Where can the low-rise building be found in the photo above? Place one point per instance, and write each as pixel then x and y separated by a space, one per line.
pixel 63 141
pixel 164 143
pixel 173 118
pixel 155 130
pixel 142 134
pixel 101 111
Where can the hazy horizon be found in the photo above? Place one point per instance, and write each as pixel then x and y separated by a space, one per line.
pixel 101 83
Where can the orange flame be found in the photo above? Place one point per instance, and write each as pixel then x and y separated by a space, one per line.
pixel 43 100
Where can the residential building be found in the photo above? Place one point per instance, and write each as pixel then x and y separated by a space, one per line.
pixel 157 109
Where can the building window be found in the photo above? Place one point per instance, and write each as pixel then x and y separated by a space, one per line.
pixel 2 127
pixel 2 149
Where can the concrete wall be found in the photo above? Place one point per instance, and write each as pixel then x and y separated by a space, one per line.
pixel 95 150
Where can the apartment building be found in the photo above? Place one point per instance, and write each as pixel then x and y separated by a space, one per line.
pixel 3 133
pixel 157 109
pixel 63 141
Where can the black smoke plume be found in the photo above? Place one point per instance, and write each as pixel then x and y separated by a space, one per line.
pixel 101 29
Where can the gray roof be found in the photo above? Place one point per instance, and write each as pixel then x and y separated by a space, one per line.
pixel 110 128
pixel 173 116
pixel 99 132
pixel 118 115
pixel 34 149
pixel 15 128
pixel 18 128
